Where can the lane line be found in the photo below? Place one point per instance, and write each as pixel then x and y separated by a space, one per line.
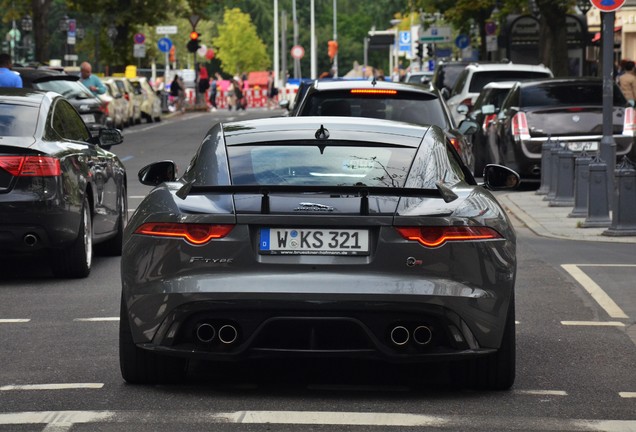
pixel 97 319
pixel 627 395
pixel 62 386
pixel 136 196
pixel 597 293
pixel 541 392
pixel 14 320
pixel 593 323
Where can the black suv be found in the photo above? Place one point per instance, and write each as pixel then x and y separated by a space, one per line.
pixel 92 110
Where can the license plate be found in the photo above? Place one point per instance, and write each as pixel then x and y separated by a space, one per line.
pixel 88 118
pixel 580 146
pixel 309 241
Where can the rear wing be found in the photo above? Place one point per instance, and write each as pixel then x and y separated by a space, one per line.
pixel 442 191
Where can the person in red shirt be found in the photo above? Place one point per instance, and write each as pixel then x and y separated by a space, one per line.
pixel 204 83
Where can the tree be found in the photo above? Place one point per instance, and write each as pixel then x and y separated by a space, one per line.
pixel 238 46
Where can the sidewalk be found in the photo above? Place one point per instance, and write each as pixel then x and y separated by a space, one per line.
pixel 552 222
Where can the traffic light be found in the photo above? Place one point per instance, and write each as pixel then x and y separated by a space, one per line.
pixel 332 48
pixel 430 50
pixel 419 49
pixel 193 43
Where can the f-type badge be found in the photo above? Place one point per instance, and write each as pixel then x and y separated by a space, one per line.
pixel 307 206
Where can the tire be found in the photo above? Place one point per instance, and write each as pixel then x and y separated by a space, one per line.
pixel 76 261
pixel 496 371
pixel 139 366
pixel 113 246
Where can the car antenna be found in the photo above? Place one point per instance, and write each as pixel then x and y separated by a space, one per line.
pixel 322 133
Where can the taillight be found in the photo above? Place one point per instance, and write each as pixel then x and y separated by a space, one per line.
pixel 520 126
pixel 31 166
pixel 629 126
pixel 434 236
pixel 126 96
pixel 374 91
pixel 455 143
pixel 487 120
pixel 196 234
pixel 104 107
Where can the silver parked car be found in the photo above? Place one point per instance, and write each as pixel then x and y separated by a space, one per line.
pixel 320 236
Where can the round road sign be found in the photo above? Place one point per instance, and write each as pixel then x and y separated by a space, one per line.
pixel 164 44
pixel 297 52
pixel 462 41
pixel 607 5
pixel 139 38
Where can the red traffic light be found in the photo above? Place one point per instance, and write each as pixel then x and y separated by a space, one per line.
pixel 194 35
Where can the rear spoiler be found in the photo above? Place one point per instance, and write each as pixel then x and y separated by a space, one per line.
pixel 442 191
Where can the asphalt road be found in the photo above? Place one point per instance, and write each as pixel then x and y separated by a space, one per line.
pixel 59 356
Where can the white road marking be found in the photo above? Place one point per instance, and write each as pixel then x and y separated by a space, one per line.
pixel 627 395
pixel 597 293
pixel 541 392
pixel 62 386
pixel 136 196
pixel 97 319
pixel 331 418
pixel 593 323
pixel 14 320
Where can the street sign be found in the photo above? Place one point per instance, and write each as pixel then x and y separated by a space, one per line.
pixel 139 38
pixel 491 28
pixel 166 30
pixel 462 41
pixel 194 20
pixel 607 5
pixel 71 57
pixel 436 34
pixel 164 44
pixel 297 52
pixel 139 50
pixel 404 41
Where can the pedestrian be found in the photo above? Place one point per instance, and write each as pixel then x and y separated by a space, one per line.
pixel 204 82
pixel 91 81
pixel 214 86
pixel 8 78
pixel 272 90
pixel 177 91
pixel 239 96
pixel 627 82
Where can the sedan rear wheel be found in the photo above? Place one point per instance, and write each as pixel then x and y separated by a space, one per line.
pixel 76 261
pixel 139 366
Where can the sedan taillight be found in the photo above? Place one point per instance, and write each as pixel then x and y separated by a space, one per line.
pixel 434 236
pixel 520 126
pixel 196 234
pixel 629 123
pixel 31 166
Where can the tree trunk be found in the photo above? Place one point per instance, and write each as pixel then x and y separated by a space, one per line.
pixel 553 38
pixel 41 11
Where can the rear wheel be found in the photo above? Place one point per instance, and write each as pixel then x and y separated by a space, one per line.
pixel 75 261
pixel 139 366
pixel 496 371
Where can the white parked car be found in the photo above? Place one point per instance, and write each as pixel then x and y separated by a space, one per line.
pixel 150 100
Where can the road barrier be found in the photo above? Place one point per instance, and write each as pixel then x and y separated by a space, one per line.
pixel 624 214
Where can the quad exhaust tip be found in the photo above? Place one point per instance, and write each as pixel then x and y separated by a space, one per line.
pixel 206 333
pixel 422 335
pixel 228 334
pixel 30 239
pixel 400 335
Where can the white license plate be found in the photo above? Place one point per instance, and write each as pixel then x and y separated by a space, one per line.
pixel 580 146
pixel 309 241
pixel 88 118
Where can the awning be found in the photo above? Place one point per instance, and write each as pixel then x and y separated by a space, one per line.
pixel 597 36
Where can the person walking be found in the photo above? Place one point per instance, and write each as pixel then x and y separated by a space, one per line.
pixel 272 91
pixel 627 82
pixel 8 78
pixel 238 93
pixel 93 83
pixel 177 91
pixel 204 83
pixel 214 88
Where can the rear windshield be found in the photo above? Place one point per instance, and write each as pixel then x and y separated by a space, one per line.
pixel 410 107
pixel 567 94
pixel 309 164
pixel 68 89
pixel 447 76
pixel 480 79
pixel 17 120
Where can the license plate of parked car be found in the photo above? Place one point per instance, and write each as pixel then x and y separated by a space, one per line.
pixel 581 146
pixel 88 118
pixel 310 241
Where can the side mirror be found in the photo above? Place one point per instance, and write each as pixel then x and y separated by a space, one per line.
pixel 109 137
pixel 468 127
pixel 488 109
pixel 284 104
pixel 157 173
pixel 462 109
pixel 499 177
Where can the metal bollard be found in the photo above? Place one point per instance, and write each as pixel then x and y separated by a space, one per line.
pixel 564 196
pixel 624 214
pixel 545 167
pixel 581 185
pixel 598 201
pixel 554 171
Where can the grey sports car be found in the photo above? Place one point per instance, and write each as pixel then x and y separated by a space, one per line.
pixel 320 236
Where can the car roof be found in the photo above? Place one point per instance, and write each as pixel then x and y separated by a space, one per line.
pixel 32 75
pixel 24 96
pixel 506 66
pixel 364 84
pixel 561 81
pixel 500 85
pixel 307 127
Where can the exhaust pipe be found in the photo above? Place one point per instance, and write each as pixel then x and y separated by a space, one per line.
pixel 422 335
pixel 30 240
pixel 536 170
pixel 206 333
pixel 228 334
pixel 400 335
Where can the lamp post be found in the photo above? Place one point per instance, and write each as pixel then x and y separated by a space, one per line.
pixel 584 6
pixel 27 26
pixel 63 26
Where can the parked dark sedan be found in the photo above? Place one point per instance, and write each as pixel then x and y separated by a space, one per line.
pixel 409 103
pixel 320 237
pixel 60 191
pixel 569 110
pixel 93 110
